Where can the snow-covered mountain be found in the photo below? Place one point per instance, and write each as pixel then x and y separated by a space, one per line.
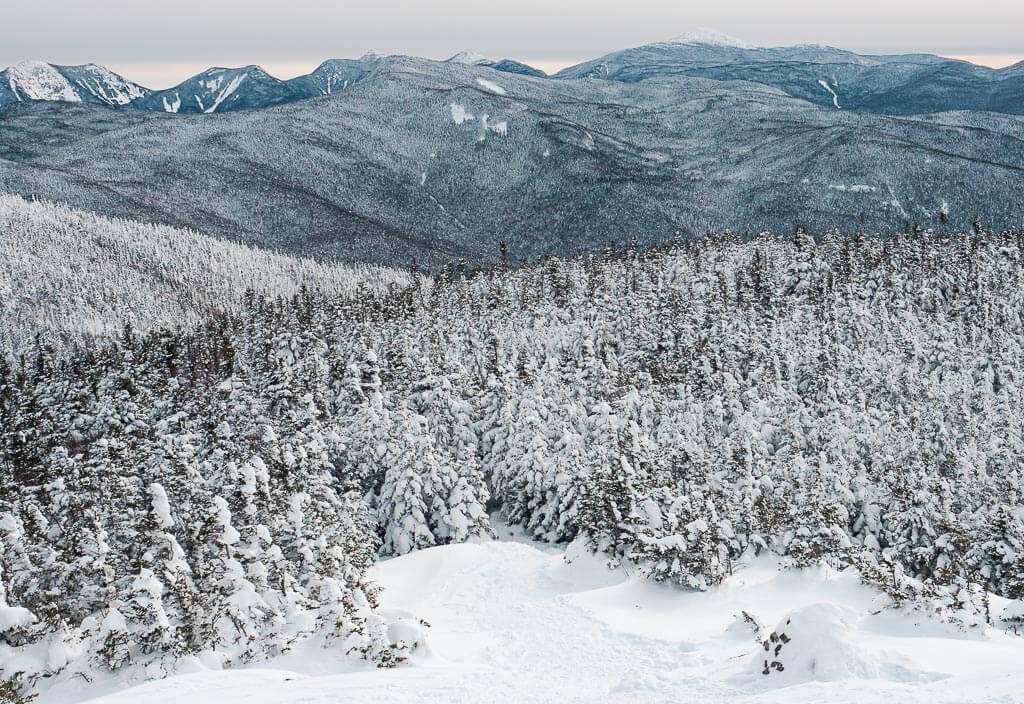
pixel 250 87
pixel 471 58
pixel 711 37
pixel 335 75
pixel 222 90
pixel 900 84
pixel 88 83
pixel 442 160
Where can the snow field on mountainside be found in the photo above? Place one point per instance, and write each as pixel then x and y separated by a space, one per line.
pixel 513 621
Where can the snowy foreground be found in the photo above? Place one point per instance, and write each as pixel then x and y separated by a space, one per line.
pixel 512 621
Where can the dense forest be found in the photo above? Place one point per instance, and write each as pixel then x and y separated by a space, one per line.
pixel 220 489
pixel 69 274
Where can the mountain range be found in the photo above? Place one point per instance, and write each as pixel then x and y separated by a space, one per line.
pixel 216 89
pixel 444 160
pixel 902 84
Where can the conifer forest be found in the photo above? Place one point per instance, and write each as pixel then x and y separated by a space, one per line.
pixel 225 486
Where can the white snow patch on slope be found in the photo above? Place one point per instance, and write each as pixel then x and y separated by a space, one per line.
pixel 38 80
pixel 835 98
pixel 514 622
pixel 224 94
pixel 460 114
pixel 855 188
pixel 710 37
pixel 499 128
pixel 174 105
pixel 491 86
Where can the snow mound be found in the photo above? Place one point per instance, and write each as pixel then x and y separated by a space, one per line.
pixel 710 37
pixel 38 80
pixel 818 643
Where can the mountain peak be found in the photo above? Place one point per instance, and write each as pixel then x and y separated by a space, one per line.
pixel 711 37
pixel 467 57
pixel 38 80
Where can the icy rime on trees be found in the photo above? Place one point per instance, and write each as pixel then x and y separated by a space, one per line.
pixel 225 487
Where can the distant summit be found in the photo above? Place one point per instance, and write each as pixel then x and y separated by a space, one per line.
pixel 711 37
pixel 222 89
pixel 468 57
pixel 471 58
pixel 89 83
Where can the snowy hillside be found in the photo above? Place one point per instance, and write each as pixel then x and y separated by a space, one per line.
pixel 36 80
pixel 513 622
pixel 216 496
pixel 71 276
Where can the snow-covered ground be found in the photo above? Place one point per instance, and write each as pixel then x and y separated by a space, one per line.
pixel 512 621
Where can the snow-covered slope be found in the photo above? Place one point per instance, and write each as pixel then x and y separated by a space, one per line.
pixel 515 622
pixel 89 83
pixel 71 275
pixel 36 80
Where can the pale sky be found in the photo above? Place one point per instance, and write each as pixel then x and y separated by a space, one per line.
pixel 159 44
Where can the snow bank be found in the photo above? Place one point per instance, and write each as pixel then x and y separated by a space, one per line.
pixel 818 643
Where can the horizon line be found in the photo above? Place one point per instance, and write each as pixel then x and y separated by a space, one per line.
pixel 151 73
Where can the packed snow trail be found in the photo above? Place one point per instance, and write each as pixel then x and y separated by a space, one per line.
pixel 515 622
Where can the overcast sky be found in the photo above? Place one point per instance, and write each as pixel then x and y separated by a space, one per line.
pixel 160 43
